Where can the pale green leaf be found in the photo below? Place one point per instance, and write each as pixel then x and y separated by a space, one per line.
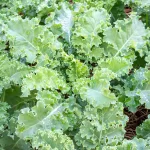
pixel 4 116
pixel 118 65
pixel 43 78
pixel 62 18
pixel 77 70
pixel 52 140
pixel 11 71
pixel 98 96
pixel 27 39
pixel 96 92
pixel 47 117
pixel 125 34
pixel 87 27
pixel 143 131
pixel 135 144
pixel 139 3
pixel 101 127
pixel 48 97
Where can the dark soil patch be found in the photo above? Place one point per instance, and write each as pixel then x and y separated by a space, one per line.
pixel 135 119
pixel 127 10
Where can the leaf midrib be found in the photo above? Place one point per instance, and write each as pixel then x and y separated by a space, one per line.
pixel 49 115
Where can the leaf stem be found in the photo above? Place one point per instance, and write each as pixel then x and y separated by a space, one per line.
pixel 100 136
pixel 147 19
pixel 3 96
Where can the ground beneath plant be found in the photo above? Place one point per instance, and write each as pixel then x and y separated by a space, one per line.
pixel 135 119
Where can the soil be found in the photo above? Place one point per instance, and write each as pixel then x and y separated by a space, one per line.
pixel 135 119
pixel 127 10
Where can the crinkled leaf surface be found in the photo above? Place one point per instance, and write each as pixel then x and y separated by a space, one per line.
pixel 28 39
pixel 43 78
pixel 87 27
pixel 3 116
pixel 64 17
pixel 11 71
pixel 118 65
pixel 143 130
pixel 45 117
pixel 125 34
pixel 139 3
pixel 54 140
pixel 135 144
pixel 97 93
pixel 101 127
pixel 64 65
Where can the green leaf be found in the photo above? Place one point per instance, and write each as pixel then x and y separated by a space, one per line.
pixel 144 91
pixel 139 3
pixel 15 143
pixel 143 130
pixel 125 34
pixel 98 96
pixel 48 97
pixel 135 144
pixel 43 78
pixel 64 18
pixel 54 140
pixel 118 65
pixel 27 39
pixel 4 116
pixel 87 27
pixel 101 127
pixel 13 97
pixel 77 70
pixel 96 92
pixel 137 88
pixel 22 39
pixel 11 71
pixel 46 117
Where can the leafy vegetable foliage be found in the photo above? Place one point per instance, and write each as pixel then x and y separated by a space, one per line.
pixel 68 69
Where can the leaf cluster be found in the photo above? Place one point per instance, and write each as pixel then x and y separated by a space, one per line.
pixel 68 69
